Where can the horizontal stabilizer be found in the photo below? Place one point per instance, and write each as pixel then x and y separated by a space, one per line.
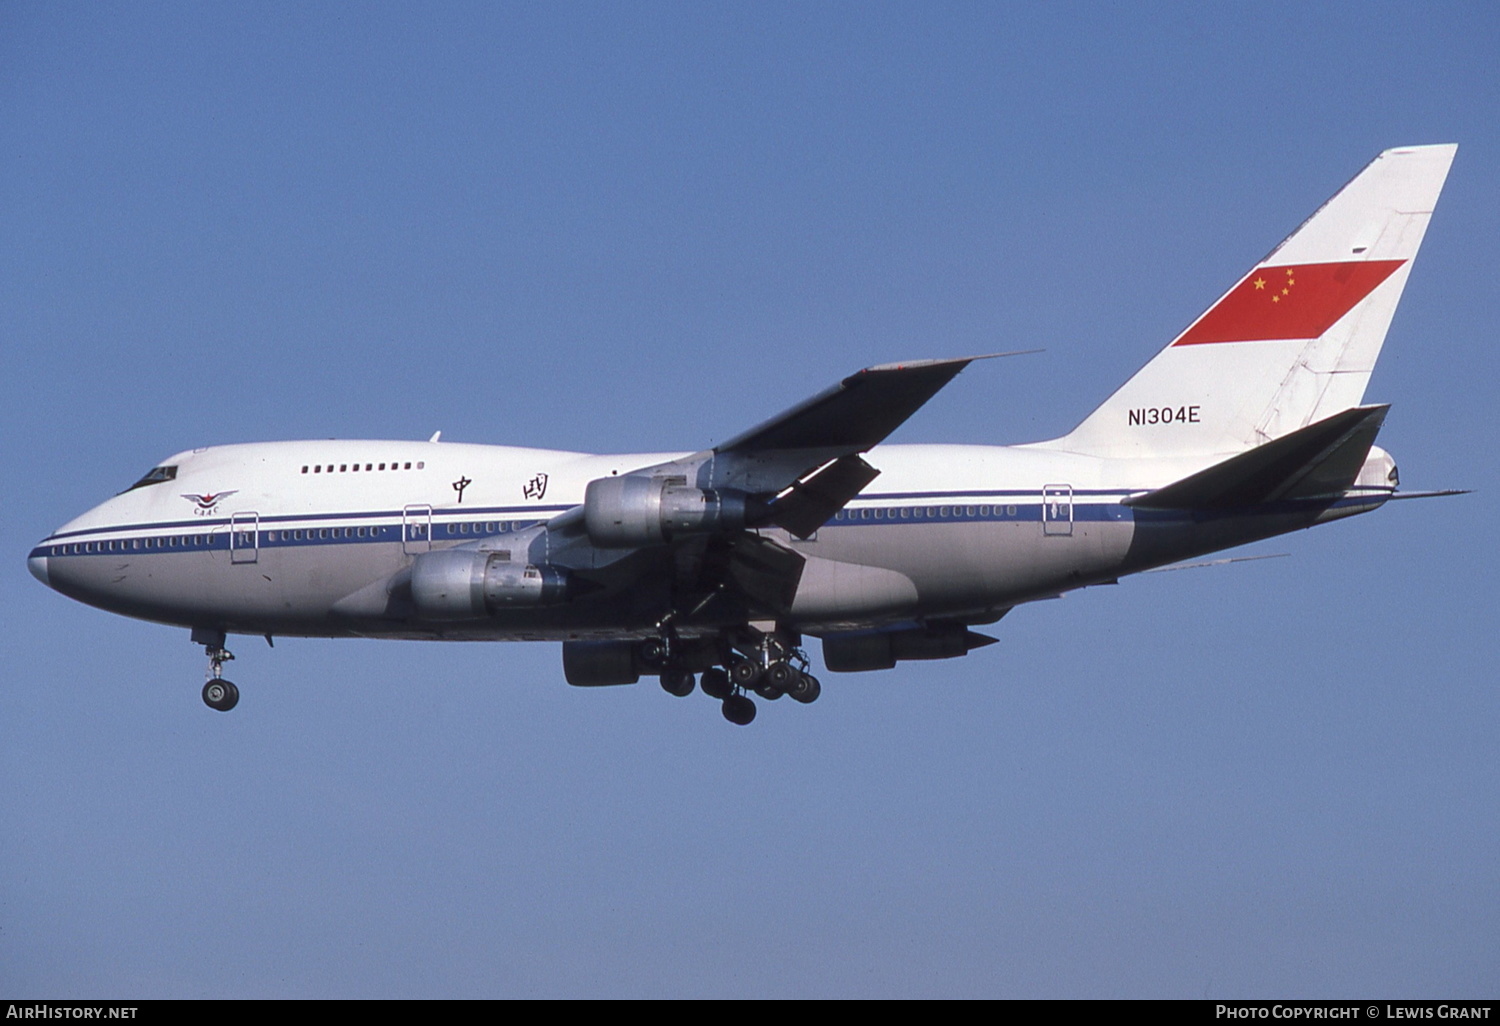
pixel 1318 461
pixel 1437 494
pixel 811 503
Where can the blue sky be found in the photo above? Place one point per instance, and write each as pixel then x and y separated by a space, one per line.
pixel 639 227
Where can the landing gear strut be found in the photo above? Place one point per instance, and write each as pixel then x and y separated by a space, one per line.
pixel 773 666
pixel 218 694
pixel 732 665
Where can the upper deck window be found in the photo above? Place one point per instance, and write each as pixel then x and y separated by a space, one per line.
pixel 156 475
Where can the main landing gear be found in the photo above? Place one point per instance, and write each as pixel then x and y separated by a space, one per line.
pixel 768 663
pixel 218 693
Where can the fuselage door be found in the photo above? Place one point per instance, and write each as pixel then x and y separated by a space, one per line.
pixel 1057 509
pixel 244 537
pixel 416 530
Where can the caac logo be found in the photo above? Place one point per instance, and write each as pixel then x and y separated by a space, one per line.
pixel 203 505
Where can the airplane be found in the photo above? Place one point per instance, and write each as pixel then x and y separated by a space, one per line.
pixel 708 569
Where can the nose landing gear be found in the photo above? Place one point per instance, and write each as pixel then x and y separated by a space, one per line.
pixel 218 694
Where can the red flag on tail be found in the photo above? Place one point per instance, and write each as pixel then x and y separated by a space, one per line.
pixel 1300 301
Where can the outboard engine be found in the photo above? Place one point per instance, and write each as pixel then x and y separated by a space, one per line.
pixel 627 512
pixel 462 584
pixel 856 651
pixel 592 664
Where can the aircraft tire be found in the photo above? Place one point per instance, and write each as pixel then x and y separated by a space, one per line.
pixel 739 710
pixel 677 682
pixel 765 689
pixel 744 673
pixel 715 683
pixel 220 695
pixel 806 689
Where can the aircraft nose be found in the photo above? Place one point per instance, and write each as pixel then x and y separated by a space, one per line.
pixel 38 567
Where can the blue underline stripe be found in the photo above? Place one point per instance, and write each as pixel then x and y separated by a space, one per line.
pixel 532 516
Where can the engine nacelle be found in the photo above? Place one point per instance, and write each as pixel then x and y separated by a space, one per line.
pixel 593 664
pixel 461 584
pixel 881 650
pixel 626 512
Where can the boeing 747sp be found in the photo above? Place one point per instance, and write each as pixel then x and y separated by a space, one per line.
pixel 708 569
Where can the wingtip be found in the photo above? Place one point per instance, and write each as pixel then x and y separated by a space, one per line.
pixel 945 361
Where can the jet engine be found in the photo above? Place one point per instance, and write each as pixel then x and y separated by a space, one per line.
pixel 462 584
pixel 881 650
pixel 592 664
pixel 626 512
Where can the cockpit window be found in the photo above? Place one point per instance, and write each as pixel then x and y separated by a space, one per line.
pixel 156 475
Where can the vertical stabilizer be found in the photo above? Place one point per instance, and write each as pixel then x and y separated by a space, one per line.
pixel 1295 340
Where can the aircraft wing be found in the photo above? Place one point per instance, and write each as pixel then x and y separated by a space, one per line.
pixel 695 519
pixel 854 415
pixel 801 466
pixel 813 448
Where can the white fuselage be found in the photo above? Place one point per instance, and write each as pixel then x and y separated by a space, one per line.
pixel 305 538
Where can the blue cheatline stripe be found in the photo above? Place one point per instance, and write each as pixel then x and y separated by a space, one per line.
pixel 355 529
pixel 188 526
pixel 973 512
pixel 348 534
pixel 460 514
pixel 1010 493
pixel 446 522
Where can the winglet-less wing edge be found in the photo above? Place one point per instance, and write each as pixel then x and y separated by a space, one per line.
pixel 859 412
